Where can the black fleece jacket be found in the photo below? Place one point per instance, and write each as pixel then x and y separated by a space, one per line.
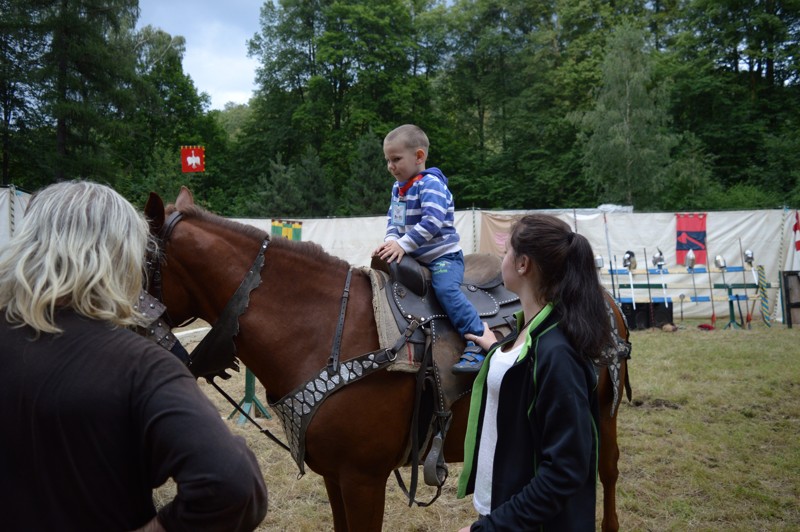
pixel 96 418
pixel 545 463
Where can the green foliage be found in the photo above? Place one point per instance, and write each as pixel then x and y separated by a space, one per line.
pixel 742 196
pixel 368 187
pixel 232 118
pixel 85 67
pixel 688 181
pixel 83 95
pixel 668 105
pixel 158 176
pixel 21 48
pixel 735 72
pixel 279 194
pixel 627 148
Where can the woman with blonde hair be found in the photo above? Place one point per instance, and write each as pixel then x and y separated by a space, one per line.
pixel 96 415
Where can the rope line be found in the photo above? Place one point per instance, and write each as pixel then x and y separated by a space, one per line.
pixel 781 265
pixel 762 292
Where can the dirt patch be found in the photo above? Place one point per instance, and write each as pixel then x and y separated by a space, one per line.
pixel 656 403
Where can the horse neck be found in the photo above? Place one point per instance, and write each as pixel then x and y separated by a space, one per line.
pixel 286 333
pixel 296 313
pixel 300 291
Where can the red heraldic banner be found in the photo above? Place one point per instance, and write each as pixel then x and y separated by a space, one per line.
pixel 691 234
pixel 193 158
pixel 796 228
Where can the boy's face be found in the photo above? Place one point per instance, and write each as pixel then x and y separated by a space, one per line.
pixel 403 163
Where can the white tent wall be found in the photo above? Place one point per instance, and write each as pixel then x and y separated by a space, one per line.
pixel 354 239
pixel 768 234
pixel 611 231
pixel 12 207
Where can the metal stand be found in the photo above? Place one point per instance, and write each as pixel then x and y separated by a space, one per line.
pixel 250 401
pixel 731 314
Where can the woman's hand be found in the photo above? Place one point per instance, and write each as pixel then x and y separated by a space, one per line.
pixel 485 340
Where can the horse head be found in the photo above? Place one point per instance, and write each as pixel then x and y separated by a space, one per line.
pixel 170 266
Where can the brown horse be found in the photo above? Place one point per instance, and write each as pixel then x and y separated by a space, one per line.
pixel 359 434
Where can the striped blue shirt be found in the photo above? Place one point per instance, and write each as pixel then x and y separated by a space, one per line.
pixel 429 230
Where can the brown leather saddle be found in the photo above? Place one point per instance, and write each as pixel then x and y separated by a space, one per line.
pixel 411 297
pixel 435 346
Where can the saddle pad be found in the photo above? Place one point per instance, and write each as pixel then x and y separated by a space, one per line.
pixel 388 331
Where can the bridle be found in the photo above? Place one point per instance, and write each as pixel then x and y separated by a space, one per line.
pixel 154 260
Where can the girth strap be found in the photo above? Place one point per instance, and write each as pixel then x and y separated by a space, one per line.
pixel 296 409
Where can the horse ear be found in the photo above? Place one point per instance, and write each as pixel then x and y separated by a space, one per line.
pixel 154 211
pixel 185 198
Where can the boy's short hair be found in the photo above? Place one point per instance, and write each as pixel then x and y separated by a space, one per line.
pixel 410 135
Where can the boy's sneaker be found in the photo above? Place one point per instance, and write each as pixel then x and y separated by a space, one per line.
pixel 471 360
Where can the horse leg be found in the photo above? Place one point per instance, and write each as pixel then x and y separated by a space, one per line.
pixel 609 472
pixel 337 505
pixel 363 498
pixel 609 451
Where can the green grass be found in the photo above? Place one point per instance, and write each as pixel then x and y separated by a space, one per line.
pixel 712 438
pixel 711 441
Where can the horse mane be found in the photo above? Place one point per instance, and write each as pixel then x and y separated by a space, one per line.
pixel 311 250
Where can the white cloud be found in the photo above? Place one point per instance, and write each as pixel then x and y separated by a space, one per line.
pixel 216 36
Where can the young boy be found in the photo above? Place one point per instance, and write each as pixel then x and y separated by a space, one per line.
pixel 421 223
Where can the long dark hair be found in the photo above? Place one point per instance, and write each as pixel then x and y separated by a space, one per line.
pixel 567 278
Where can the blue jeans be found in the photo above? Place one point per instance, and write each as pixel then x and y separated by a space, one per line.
pixel 447 273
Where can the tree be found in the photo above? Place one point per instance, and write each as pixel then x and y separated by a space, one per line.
pixel 170 113
pixel 86 96
pixel 232 118
pixel 627 146
pixel 369 186
pixel 330 72
pixel 689 181
pixel 736 87
pixel 22 46
pixel 558 68
pixel 86 71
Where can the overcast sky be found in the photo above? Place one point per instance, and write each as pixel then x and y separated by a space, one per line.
pixel 216 33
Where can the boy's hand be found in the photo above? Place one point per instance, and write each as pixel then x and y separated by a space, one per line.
pixel 390 251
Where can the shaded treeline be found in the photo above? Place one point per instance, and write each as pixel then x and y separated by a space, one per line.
pixel 666 105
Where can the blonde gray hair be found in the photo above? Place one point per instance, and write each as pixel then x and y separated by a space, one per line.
pixel 80 245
